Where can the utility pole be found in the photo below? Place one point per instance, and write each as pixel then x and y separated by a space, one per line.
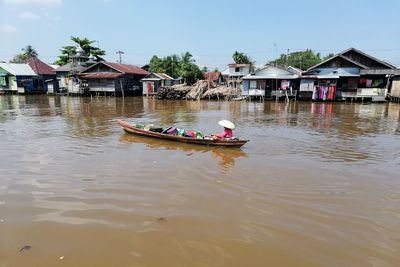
pixel 286 61
pixel 120 53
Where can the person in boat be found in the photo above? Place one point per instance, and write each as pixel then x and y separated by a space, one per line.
pixel 227 133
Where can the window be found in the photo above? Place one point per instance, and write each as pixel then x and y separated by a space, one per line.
pixel 237 69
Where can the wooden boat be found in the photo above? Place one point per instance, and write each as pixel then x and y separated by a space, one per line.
pixel 198 141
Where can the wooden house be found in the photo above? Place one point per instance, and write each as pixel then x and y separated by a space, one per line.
pixel 46 76
pixel 271 81
pixel 17 78
pixel 351 74
pixel 108 78
pixel 65 75
pixel 235 74
pixel 153 81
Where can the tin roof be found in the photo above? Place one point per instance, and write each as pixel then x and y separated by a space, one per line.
pixel 130 69
pixel 68 67
pixel 212 75
pixel 158 77
pixel 101 75
pixel 17 69
pixel 163 76
pixel 39 67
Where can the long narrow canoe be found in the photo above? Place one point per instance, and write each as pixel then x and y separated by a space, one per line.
pixel 208 142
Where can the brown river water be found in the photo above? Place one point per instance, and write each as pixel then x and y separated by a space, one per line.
pixel 317 185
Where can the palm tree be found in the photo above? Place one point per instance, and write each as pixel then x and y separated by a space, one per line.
pixel 187 58
pixel 29 51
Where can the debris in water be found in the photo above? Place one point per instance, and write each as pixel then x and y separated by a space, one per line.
pixel 26 247
pixel 62 257
pixel 162 219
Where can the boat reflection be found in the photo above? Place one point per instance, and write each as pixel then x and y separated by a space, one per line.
pixel 225 156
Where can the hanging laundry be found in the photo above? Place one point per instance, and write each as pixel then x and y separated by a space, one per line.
pixel 285 84
pixel 314 94
pixel 321 92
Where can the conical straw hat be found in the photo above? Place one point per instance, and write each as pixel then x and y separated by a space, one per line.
pixel 227 124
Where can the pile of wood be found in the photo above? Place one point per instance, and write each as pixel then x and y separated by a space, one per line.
pixel 222 92
pixel 178 91
pixel 200 90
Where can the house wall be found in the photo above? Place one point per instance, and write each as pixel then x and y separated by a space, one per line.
pixel 395 88
pixel 156 86
pixel 10 81
pixel 130 84
pixel 13 83
pixel 242 72
pixel 101 85
pixel 25 85
pixel 245 87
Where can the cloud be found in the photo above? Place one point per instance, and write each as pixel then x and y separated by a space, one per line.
pixel 34 2
pixel 28 15
pixel 7 28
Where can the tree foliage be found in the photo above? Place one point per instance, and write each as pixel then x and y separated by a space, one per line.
pixel 302 60
pixel 27 53
pixel 328 56
pixel 242 58
pixel 177 66
pixel 82 45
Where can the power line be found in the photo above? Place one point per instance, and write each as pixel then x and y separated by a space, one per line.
pixel 120 53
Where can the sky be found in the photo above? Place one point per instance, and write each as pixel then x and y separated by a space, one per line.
pixel 210 30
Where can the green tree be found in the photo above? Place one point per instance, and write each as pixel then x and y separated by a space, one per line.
pixel 242 58
pixel 302 60
pixel 27 53
pixel 86 47
pixel 157 65
pixel 177 66
pixel 328 56
pixel 204 69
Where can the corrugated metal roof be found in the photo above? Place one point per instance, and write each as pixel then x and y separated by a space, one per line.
pixel 39 67
pixel 266 77
pixel 18 69
pixel 102 75
pixel 212 75
pixel 68 67
pixel 163 76
pixel 130 69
